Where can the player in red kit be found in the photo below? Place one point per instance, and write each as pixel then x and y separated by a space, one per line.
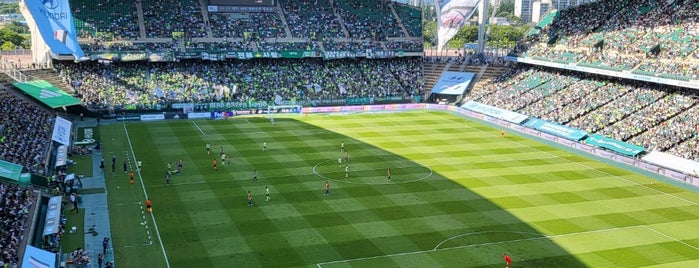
pixel 508 260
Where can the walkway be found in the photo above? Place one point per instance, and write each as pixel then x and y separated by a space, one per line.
pixel 95 205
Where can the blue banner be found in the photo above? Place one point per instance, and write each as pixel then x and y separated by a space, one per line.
pixel 556 129
pixel 453 83
pixel 496 112
pixel 614 145
pixel 54 20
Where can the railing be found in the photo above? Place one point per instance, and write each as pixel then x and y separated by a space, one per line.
pixel 12 70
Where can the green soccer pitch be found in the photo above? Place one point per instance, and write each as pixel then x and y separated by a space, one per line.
pixel 460 196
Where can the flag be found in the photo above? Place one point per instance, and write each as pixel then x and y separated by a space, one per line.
pixel 451 15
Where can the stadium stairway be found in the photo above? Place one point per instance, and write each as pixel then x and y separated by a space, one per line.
pixel 207 23
pixel 400 21
pixel 141 20
pixel 486 75
pixel 340 20
pixel 280 12
pixel 432 72
pixel 50 76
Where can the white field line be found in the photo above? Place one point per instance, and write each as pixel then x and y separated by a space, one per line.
pixel 197 126
pixel 145 193
pixel 606 173
pixel 315 171
pixel 479 245
pixel 670 237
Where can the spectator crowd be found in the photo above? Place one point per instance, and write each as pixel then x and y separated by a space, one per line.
pixel 23 141
pixel 15 204
pixel 649 115
pixel 650 37
pixel 147 85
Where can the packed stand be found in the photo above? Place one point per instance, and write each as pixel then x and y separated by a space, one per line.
pixel 147 85
pixel 411 18
pixel 242 25
pixel 117 18
pixel 651 116
pixel 314 19
pixel 623 35
pixel 368 19
pixel 15 204
pixel 221 46
pixel 332 45
pixel 287 46
pixel 407 46
pixel 25 141
pixel 164 19
pixel 96 46
pixel 678 135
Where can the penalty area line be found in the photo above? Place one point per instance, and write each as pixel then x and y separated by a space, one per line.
pixel 319 265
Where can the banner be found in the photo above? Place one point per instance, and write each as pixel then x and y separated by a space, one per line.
pixel 54 20
pixel 496 112
pixel 670 161
pixel 38 258
pixel 556 129
pixel 453 83
pixel 61 131
pixel 47 94
pixel 614 145
pixel 61 156
pixel 152 117
pixel 451 15
pixel 10 171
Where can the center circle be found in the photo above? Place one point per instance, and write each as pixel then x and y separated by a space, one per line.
pixel 372 172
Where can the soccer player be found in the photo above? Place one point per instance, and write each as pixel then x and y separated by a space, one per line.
pixel 131 177
pixel 139 165
pixel 339 162
pixel 167 178
pixel 249 199
pixel 208 149
pixel 327 188
pixel 228 159
pixel 264 146
pixel 179 166
pixel 388 174
pixel 502 133
pixel 346 156
pixel 214 162
pixel 254 175
pixel 346 171
pixel 508 260
pixel 267 192
pixel 272 120
pixel 223 158
pixel 342 146
pixel 149 205
pixel 221 153
pixel 169 166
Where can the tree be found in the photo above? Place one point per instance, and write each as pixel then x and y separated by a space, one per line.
pixel 507 6
pixel 7 35
pixel 7 46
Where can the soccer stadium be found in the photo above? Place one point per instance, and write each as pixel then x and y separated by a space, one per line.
pixel 350 133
